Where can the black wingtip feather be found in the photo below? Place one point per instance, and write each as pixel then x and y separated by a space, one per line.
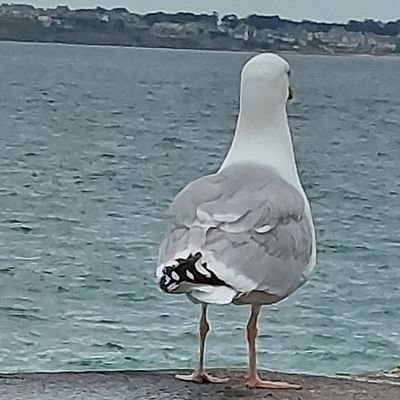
pixel 187 272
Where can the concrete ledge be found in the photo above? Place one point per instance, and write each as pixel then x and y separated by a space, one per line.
pixel 155 385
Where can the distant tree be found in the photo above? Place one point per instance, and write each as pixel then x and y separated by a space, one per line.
pixel 392 28
pixel 179 18
pixel 312 26
pixel 264 22
pixel 366 26
pixel 120 10
pixel 230 20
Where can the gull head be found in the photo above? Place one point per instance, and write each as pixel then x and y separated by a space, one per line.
pixel 265 85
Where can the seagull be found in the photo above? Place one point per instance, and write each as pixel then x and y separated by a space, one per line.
pixel 245 234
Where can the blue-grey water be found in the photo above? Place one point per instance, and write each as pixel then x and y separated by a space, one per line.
pixel 94 144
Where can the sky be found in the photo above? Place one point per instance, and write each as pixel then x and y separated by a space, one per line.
pixel 318 10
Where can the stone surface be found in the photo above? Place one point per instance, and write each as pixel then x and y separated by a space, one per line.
pixel 154 385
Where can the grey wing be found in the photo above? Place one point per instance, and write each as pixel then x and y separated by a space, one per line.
pixel 249 224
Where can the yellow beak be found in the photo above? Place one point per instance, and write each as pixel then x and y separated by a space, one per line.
pixel 291 95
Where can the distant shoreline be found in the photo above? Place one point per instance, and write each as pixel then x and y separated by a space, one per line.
pixel 256 33
pixel 116 46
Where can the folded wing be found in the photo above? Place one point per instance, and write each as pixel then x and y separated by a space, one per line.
pixel 250 227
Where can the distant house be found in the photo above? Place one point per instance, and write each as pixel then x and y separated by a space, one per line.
pixel 45 20
pixel 166 29
pixel 381 44
pixel 241 32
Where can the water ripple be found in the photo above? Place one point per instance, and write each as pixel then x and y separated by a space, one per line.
pixel 94 152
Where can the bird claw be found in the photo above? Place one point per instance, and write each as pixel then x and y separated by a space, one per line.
pixel 258 383
pixel 201 377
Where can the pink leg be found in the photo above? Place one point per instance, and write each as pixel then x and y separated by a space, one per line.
pixel 253 380
pixel 199 374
